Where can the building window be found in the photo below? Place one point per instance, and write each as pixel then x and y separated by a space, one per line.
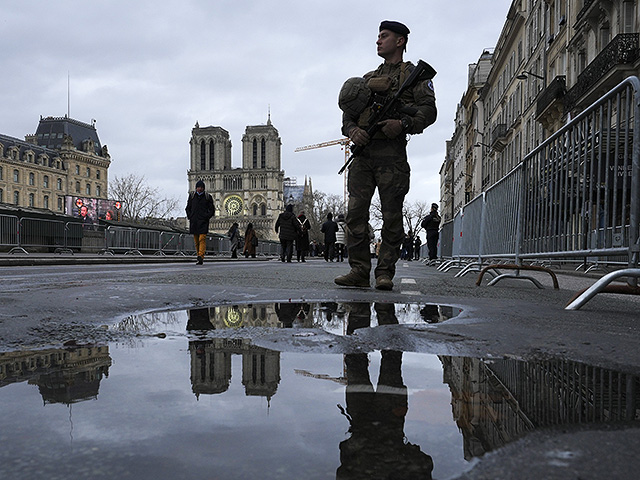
pixel 255 153
pixel 88 189
pixel 45 202
pixel 98 190
pixel 88 172
pixel 255 210
pixel 203 156
pixel 31 200
pixel 45 181
pixel 0 173
pixel 263 209
pixel 77 169
pixel 60 203
pixel 1 195
pixel 59 184
pixel 211 155
pixel 263 154
pixel 97 174
pixel 16 176
pixel 16 198
pixel 77 187
pixel 32 179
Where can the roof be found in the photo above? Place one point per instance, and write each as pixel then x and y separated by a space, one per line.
pixel 23 146
pixel 51 131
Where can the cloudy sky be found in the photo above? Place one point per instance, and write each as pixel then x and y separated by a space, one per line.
pixel 148 70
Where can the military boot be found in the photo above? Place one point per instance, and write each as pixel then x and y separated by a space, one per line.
pixel 383 282
pixel 352 279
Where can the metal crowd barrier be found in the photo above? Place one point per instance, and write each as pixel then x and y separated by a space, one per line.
pixel 576 197
pixel 25 232
pixel 18 234
pixel 9 231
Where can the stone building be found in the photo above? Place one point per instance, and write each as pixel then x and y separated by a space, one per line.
pixel 254 192
pixel 63 157
pixel 553 59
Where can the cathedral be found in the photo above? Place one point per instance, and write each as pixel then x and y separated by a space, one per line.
pixel 255 193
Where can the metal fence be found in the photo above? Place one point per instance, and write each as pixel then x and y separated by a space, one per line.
pixel 22 233
pixel 577 195
pixel 19 235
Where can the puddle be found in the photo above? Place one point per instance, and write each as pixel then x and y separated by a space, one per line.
pixel 337 318
pixel 225 408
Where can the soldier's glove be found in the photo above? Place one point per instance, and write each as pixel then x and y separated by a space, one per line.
pixel 391 128
pixel 359 136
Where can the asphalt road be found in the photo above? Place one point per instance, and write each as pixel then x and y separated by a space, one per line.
pixel 49 305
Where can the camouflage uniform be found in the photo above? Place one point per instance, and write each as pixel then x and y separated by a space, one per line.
pixel 383 164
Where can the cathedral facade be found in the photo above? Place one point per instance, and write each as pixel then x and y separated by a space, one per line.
pixel 253 193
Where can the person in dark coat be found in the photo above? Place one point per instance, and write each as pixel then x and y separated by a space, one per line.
pixel 431 224
pixel 250 241
pixel 302 242
pixel 234 238
pixel 329 228
pixel 417 243
pixel 199 211
pixel 287 228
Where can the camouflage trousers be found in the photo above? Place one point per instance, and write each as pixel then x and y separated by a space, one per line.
pixel 382 165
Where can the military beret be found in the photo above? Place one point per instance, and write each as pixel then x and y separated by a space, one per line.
pixel 396 27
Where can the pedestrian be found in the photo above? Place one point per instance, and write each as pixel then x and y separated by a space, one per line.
pixel 417 243
pixel 329 228
pixel 302 242
pixel 407 247
pixel 341 238
pixel 250 241
pixel 383 164
pixel 287 229
pixel 234 239
pixel 431 223
pixel 199 211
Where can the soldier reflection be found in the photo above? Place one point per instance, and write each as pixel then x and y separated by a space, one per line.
pixel 199 319
pixel 376 447
pixel 294 313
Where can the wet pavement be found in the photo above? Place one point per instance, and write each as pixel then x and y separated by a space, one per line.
pixel 262 370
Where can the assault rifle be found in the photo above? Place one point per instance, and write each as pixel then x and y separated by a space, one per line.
pixel 384 110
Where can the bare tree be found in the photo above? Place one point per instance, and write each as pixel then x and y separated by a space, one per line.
pixel 141 202
pixel 412 215
pixel 322 204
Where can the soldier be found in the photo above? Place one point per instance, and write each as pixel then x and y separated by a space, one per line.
pixel 383 161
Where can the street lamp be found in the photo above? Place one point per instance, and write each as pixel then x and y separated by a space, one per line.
pixel 480 144
pixel 524 75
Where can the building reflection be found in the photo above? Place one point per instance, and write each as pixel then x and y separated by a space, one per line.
pixel 495 402
pixel 377 446
pixel 62 375
pixel 331 316
pixel 211 367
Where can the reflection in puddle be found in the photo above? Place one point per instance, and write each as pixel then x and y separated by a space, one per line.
pixel 226 408
pixel 337 318
pixel 169 409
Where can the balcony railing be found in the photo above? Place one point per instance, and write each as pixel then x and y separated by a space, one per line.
pixel 555 90
pixel 621 50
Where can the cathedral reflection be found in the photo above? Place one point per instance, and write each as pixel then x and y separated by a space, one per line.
pixel 62 375
pixel 211 367
pixel 331 316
